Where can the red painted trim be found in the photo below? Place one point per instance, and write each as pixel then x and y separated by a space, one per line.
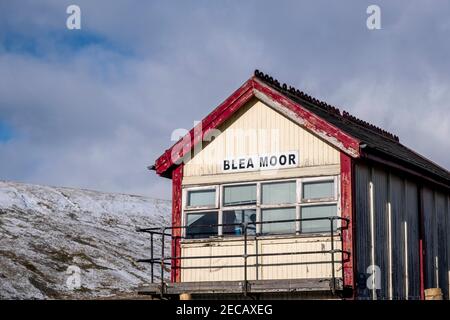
pixel 422 252
pixel 347 211
pixel 177 177
pixel 240 97
pixel 310 121
pixel 213 120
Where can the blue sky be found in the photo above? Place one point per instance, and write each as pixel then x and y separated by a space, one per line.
pixel 92 108
pixel 6 132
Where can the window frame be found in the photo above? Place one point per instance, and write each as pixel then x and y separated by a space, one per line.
pixel 259 206
pixel 262 206
pixel 318 179
pixel 187 190
pixel 225 209
pixel 319 201
pixel 245 206
pixel 199 212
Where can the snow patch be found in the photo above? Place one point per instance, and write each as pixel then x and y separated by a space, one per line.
pixel 44 230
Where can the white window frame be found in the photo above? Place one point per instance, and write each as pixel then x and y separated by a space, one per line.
pixel 184 221
pixel 318 179
pixel 319 201
pixel 280 205
pixel 299 202
pixel 187 190
pixel 222 192
pixel 223 208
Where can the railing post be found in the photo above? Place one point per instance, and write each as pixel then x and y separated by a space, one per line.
pixel 333 284
pixel 152 256
pixel 245 259
pixel 256 258
pixel 342 252
pixel 163 230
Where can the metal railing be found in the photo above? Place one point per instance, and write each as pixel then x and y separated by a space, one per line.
pixel 173 260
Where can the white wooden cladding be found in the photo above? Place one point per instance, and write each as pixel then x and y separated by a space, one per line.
pixel 257 129
pixel 316 171
pixel 309 266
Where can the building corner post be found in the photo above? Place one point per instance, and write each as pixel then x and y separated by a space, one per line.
pixel 177 177
pixel 348 212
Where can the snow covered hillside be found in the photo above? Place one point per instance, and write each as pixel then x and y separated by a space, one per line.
pixel 44 230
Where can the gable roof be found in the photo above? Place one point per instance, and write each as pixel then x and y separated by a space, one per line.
pixel 376 141
pixel 350 135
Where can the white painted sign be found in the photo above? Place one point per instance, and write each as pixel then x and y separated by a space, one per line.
pixel 261 162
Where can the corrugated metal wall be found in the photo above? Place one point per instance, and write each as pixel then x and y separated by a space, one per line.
pixel 437 238
pixel 363 225
pixel 442 241
pixel 429 223
pixel 413 229
pixel 388 233
pixel 397 199
pixel 381 194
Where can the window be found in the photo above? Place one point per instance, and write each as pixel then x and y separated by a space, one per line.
pixel 201 198
pixel 262 205
pixel 235 217
pixel 279 192
pixel 319 200
pixel 239 195
pixel 318 211
pixel 201 225
pixel 318 190
pixel 278 201
pixel 269 215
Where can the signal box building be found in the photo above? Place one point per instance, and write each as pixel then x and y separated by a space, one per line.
pixel 278 194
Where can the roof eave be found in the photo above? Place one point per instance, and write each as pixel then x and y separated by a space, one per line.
pixel 404 166
pixel 253 87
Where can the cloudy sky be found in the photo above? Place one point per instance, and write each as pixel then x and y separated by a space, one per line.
pixel 91 108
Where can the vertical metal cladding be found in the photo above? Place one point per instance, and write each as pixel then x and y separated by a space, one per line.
pixel 413 229
pixel 363 236
pixel 436 237
pixel 396 198
pixel 442 241
pixel 391 212
pixel 429 214
pixel 380 182
pixel 448 241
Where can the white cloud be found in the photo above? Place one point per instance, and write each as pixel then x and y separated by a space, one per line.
pixel 95 115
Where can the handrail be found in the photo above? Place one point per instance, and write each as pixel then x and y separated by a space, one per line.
pixel 163 259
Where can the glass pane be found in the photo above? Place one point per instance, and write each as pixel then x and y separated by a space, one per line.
pixel 307 212
pixel 278 192
pixel 201 225
pixel 201 198
pixel 239 216
pixel 276 215
pixel 239 195
pixel 318 190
